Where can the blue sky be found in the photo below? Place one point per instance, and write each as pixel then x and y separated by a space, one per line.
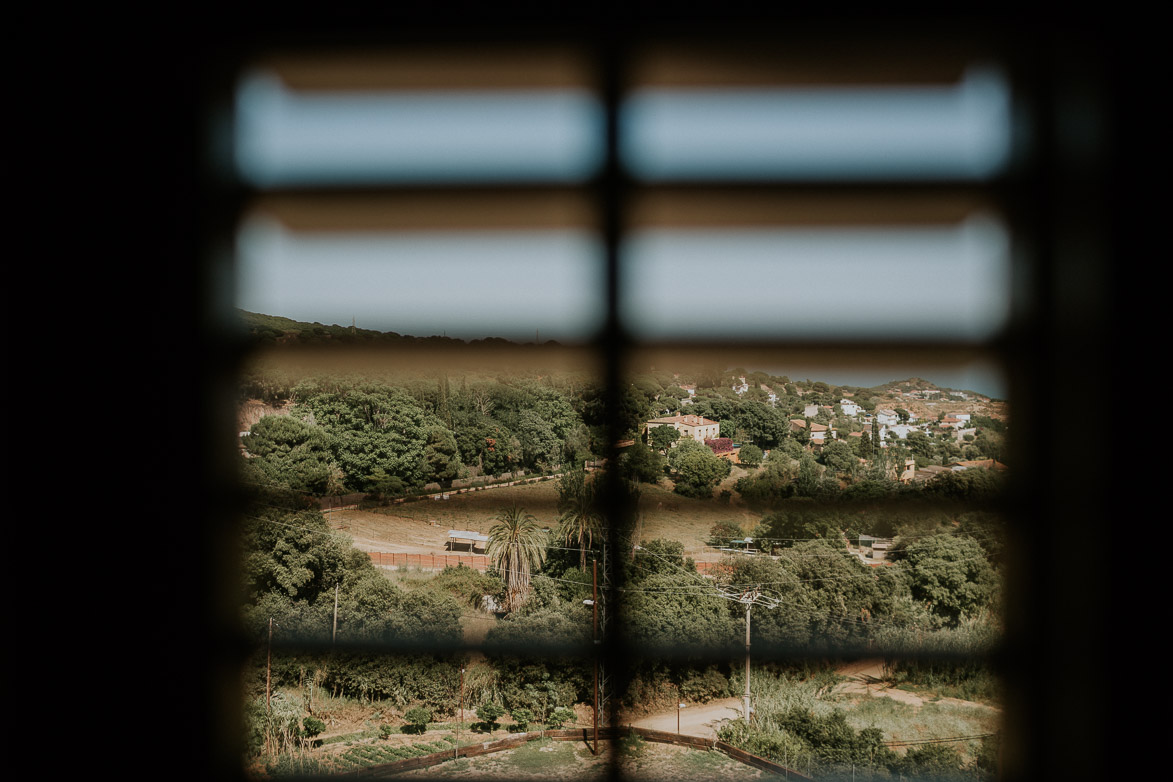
pixel 859 281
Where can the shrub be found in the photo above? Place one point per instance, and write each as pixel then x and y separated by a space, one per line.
pixel 561 716
pixel 312 726
pixel 418 719
pixel 522 717
pixel 722 532
pixel 489 714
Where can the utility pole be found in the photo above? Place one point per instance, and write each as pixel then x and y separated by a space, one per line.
pixel 269 670
pixel 334 635
pixel 749 598
pixel 745 697
pixel 595 638
pixel 459 722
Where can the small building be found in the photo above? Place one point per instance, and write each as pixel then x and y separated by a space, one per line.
pixel 697 427
pixel 473 538
pixel 849 408
pixel 875 549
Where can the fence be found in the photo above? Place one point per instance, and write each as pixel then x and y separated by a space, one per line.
pixel 430 561
pixel 579 734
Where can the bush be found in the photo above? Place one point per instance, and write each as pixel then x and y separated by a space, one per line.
pixel 312 726
pixel 522 717
pixel 418 719
pixel 633 745
pixel 489 714
pixel 561 716
pixel 722 532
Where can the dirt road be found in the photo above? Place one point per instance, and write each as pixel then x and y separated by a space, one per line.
pixel 696 719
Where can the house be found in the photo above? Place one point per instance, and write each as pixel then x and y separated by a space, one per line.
pixel 694 426
pixel 887 417
pixel 875 548
pixel 849 408
pixel 982 464
pixel 819 433
pixel 900 430
pixel 951 422
pixel 741 387
pixel 928 473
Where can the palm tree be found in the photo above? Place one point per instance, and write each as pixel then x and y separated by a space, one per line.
pixel 517 545
pixel 580 520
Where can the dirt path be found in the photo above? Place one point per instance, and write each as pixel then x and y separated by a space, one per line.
pixel 866 677
pixel 696 719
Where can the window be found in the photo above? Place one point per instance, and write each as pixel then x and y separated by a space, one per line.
pixel 647 205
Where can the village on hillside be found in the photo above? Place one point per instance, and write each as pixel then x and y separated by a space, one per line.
pixel 847 420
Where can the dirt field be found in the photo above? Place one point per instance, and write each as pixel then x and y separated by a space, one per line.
pixel 570 760
pixel 421 527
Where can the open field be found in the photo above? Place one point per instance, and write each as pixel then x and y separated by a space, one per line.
pixel 421 527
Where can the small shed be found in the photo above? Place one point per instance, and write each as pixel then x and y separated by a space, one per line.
pixel 455 536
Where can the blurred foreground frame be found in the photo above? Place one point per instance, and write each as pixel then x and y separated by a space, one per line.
pixel 1059 201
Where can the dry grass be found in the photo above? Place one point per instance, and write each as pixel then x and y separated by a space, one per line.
pixel 662 514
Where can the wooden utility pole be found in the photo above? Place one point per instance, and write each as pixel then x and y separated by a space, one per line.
pixel 459 722
pixel 334 636
pixel 269 670
pixel 595 638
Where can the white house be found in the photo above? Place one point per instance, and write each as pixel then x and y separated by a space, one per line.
pixel 694 426
pixel 899 430
pixel 887 417
pixel 850 408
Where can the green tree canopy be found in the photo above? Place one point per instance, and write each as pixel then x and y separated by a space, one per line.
pixel 580 521
pixel 951 573
pixel 516 547
pixel 697 469
pixel 750 455
pixel 290 452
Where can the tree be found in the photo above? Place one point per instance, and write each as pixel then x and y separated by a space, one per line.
pixel 580 520
pixel 951 573
pixel 418 719
pixel 722 532
pixel 561 716
pixel 294 453
pixel 442 455
pixel 697 469
pixel 807 482
pixel 370 426
pixel 516 547
pixel 679 610
pixel 641 463
pixel 489 714
pixel 522 717
pixel 801 519
pixel 750 455
pixel 839 457
pixel 663 437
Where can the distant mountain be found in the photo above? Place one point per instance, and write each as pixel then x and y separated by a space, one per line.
pixel 278 330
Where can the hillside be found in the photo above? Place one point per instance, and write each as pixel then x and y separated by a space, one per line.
pixel 926 400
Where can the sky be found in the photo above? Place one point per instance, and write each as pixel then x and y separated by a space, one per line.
pixel 861 281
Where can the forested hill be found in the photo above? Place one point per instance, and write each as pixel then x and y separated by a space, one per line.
pixel 276 330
